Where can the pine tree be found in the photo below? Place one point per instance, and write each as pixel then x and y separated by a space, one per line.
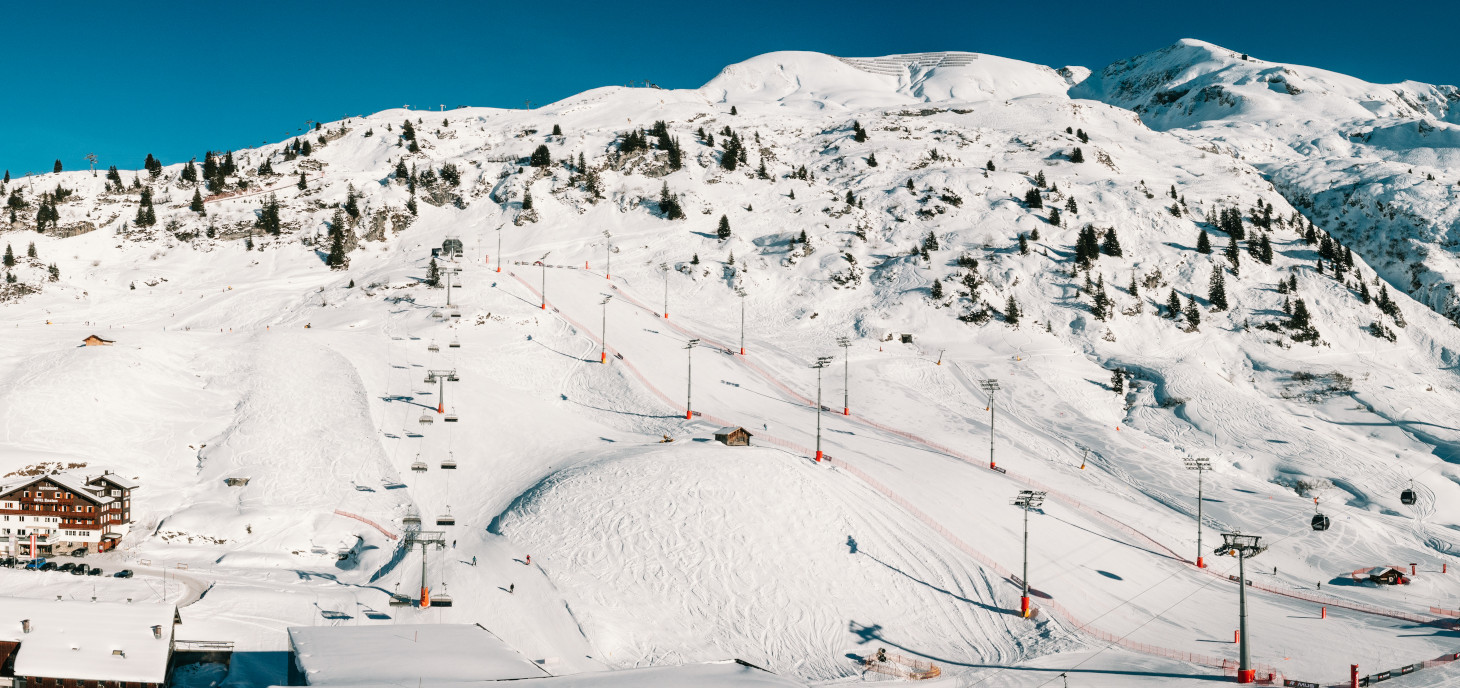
pixel 9 260
pixel 1203 242
pixel 937 291
pixel 1264 250
pixel 1134 289
pixel 1054 216
pixel 1011 312
pixel 308 149
pixel 1111 245
pixel 989 166
pixel 760 172
pixel 1300 320
pixel 1034 234
pixel 724 229
pixel 527 199
pixel 30 251
pixel 1233 254
pixel 557 130
pixel 694 259
pixel 57 167
pixel 336 258
pixel 1040 181
pixel 1173 305
pixel 189 172
pixel 411 205
pixel 733 111
pixel 669 204
pixel 871 160
pixel 1117 381
pixel 197 204
pixel 1071 207
pixel 303 182
pixel 54 272
pixel 1032 199
pixel 851 199
pixel 1364 292
pixel 1217 291
pixel 1077 156
pixel 541 157
pixel 1193 315
pixel 1023 244
pixel 352 205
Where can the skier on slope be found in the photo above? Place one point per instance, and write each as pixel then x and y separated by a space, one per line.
pixel 529 560
pixel 511 587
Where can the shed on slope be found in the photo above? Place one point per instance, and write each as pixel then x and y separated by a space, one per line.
pixel 734 436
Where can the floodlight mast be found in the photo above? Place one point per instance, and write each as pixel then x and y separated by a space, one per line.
pixel 1027 500
pixel 1242 547
pixel 990 386
pixel 821 363
pixel 664 267
pixel 689 381
pixel 741 293
pixel 846 344
pixel 499 248
pixel 603 333
pixel 1200 465
pixel 608 253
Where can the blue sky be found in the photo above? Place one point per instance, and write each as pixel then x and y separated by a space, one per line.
pixel 177 78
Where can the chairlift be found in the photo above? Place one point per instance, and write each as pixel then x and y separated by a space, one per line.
pixel 441 599
pixel 426 419
pixel 412 518
pixel 398 600
pixel 450 416
pixel 446 519
pixel 455 343
pixel 419 466
pixel 449 463
pixel 432 347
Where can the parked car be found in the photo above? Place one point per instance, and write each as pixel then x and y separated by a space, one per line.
pixel 95 571
pixel 48 566
pixel 78 552
pixel 35 564
pixel 79 570
pixel 67 566
pixel 124 573
pixel 8 562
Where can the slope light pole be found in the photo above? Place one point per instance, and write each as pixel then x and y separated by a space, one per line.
pixel 664 267
pixel 603 333
pixel 608 252
pixel 543 263
pixel 1027 500
pixel 741 293
pixel 1200 465
pixel 499 249
pixel 990 386
pixel 821 363
pixel 689 380
pixel 1242 547
pixel 846 344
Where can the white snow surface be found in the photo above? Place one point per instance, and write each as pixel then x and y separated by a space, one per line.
pixel 264 364
pixel 404 654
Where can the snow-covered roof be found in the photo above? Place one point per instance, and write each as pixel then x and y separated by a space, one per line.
pixel 407 654
pixel 728 674
pixel 70 482
pixel 118 480
pixel 729 429
pixel 92 641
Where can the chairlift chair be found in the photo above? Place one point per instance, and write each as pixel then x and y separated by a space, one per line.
pixel 450 416
pixel 449 463
pixel 441 599
pixel 426 419
pixel 419 466
pixel 455 343
pixel 432 347
pixel 412 518
pixel 446 519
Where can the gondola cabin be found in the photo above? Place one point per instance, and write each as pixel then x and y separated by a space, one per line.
pixel 1320 522
pixel 733 436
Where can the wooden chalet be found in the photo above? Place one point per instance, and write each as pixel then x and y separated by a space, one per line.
pixel 75 644
pixel 734 436
pixel 94 340
pixel 46 514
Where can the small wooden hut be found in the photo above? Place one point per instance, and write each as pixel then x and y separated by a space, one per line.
pixel 94 340
pixel 735 436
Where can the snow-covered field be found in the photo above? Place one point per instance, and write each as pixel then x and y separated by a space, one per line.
pixel 265 364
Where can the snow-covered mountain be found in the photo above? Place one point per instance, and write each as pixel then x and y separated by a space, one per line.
pixel 1374 164
pixel 956 216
